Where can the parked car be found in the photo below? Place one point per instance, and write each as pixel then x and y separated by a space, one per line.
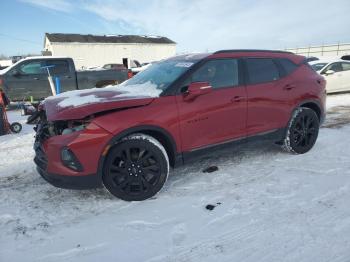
pixel 29 77
pixel 336 72
pixel 127 137
pixel 311 58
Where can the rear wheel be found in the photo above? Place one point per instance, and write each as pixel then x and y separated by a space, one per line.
pixel 136 168
pixel 302 131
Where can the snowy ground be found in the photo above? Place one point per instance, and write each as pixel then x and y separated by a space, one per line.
pixel 268 206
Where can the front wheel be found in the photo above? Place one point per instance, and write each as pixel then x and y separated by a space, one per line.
pixel 136 168
pixel 302 131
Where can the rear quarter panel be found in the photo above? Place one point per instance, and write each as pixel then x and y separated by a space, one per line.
pixel 311 87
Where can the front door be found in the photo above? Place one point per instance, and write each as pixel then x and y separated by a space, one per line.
pixel 218 116
pixel 334 79
pixel 28 79
pixel 345 81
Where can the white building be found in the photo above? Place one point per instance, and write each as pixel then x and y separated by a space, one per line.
pixel 93 50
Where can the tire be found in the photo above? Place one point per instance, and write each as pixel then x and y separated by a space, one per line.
pixel 136 168
pixel 16 127
pixel 302 131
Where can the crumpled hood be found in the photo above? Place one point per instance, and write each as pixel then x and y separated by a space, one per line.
pixel 82 103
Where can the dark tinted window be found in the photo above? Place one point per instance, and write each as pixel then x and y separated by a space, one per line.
pixel 287 65
pixel 218 73
pixel 261 70
pixel 58 67
pixel 33 68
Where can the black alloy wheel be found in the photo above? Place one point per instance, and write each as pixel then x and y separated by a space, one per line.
pixel 303 131
pixel 136 168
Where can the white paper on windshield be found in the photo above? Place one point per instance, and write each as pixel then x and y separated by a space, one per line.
pixel 184 64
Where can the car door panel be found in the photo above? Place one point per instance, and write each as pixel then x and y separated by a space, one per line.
pixel 219 115
pixel 345 81
pixel 31 81
pixel 268 96
pixel 212 118
pixel 334 80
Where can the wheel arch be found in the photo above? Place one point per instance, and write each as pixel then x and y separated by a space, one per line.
pixel 315 106
pixel 162 135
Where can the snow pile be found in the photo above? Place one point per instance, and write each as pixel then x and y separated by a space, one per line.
pixel 106 94
pixel 268 205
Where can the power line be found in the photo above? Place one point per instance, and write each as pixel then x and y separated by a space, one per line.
pixel 19 39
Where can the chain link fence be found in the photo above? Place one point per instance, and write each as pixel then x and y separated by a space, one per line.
pixel 322 50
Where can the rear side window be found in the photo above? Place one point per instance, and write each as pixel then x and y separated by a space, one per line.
pixel 58 67
pixel 261 70
pixel 219 73
pixel 287 65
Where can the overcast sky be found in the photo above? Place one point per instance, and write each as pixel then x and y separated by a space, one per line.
pixel 196 25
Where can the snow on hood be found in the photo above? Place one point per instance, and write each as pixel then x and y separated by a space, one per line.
pixel 107 94
pixel 79 104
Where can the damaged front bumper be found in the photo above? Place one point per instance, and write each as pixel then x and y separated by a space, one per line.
pixel 86 145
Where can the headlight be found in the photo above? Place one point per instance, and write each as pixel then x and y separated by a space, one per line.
pixel 73 129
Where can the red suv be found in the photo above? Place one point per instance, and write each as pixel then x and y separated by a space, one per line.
pixel 127 137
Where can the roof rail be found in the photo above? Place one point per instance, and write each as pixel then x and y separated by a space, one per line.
pixel 251 50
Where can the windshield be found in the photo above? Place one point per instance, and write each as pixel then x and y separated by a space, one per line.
pixel 160 74
pixel 318 66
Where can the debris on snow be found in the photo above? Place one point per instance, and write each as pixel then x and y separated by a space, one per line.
pixel 210 169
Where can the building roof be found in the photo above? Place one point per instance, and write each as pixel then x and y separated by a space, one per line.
pixel 77 38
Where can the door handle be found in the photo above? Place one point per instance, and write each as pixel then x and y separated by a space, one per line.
pixel 237 99
pixel 36 78
pixel 289 87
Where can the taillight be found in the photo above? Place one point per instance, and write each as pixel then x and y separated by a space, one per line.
pixel 130 74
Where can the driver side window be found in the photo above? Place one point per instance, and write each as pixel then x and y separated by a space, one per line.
pixel 336 67
pixel 218 73
pixel 32 68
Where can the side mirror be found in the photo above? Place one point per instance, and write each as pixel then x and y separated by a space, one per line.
pixel 329 72
pixel 197 89
pixel 15 73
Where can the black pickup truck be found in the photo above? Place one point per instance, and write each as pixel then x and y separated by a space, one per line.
pixel 29 77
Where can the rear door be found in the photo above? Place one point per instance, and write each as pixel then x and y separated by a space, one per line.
pixel 218 116
pixel 268 96
pixel 60 69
